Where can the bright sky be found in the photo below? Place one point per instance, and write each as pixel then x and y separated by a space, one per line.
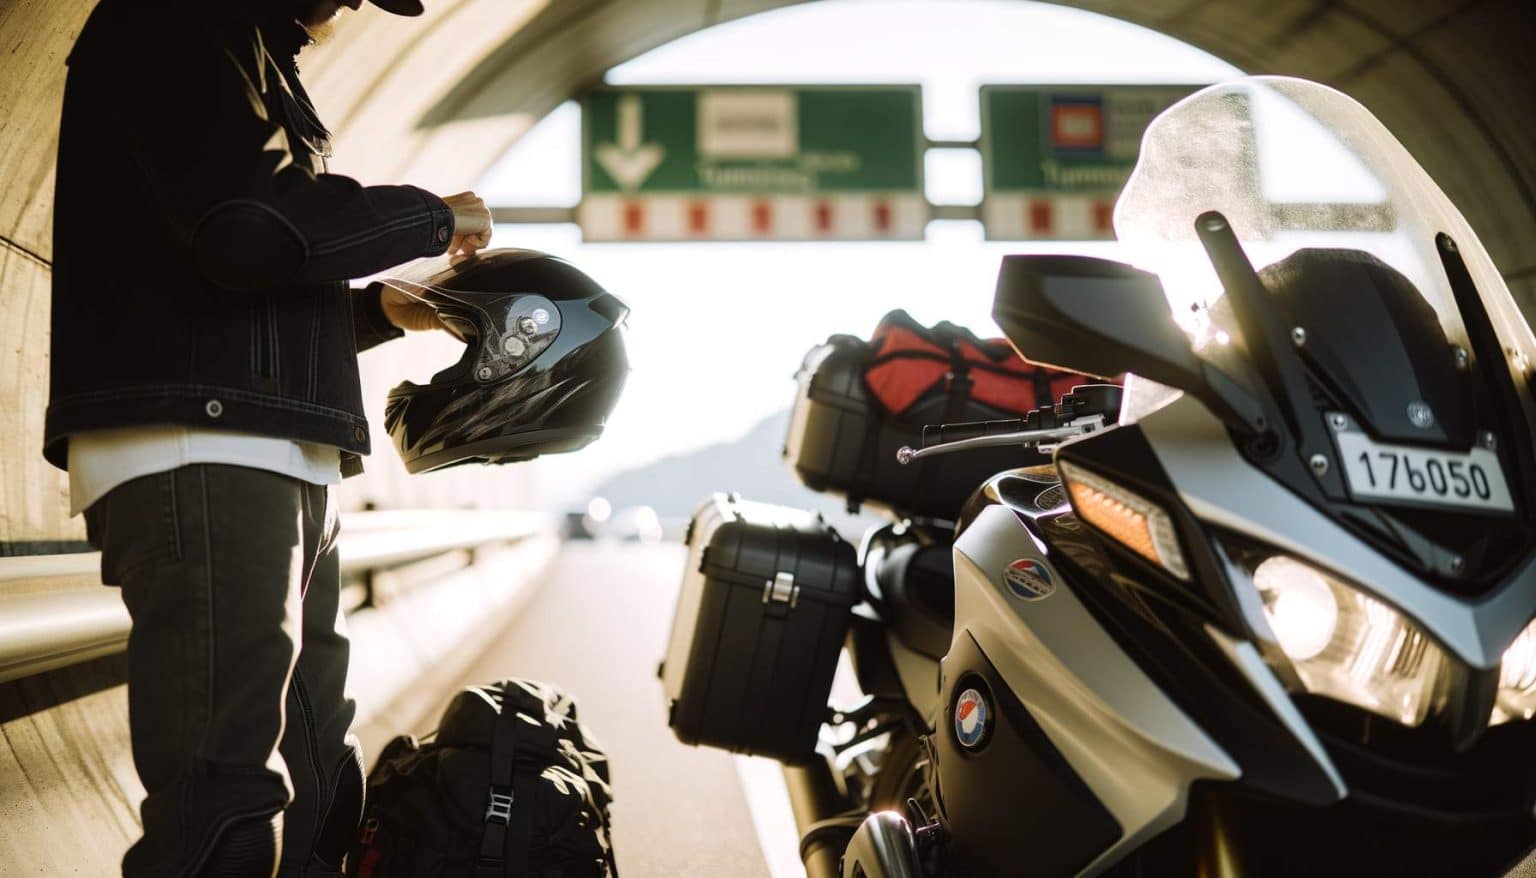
pixel 718 330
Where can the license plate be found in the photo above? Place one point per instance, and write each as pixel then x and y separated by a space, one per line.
pixel 1402 474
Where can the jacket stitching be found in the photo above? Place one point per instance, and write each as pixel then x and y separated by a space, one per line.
pixel 274 346
pixel 312 379
pixel 364 237
pixel 190 390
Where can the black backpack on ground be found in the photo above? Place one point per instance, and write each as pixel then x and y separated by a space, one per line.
pixel 511 786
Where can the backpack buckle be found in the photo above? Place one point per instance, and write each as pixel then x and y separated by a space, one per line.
pixel 500 808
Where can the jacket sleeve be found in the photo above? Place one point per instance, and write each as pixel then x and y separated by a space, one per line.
pixel 369 325
pixel 222 171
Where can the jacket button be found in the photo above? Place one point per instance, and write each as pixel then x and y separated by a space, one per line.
pixel 442 235
pixel 359 434
pixel 214 408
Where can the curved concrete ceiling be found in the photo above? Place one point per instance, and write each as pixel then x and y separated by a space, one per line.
pixel 436 100
pixel 1448 76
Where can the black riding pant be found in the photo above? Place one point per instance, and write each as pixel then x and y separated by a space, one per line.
pixel 237 672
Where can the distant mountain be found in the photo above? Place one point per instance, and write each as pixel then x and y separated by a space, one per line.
pixel 751 466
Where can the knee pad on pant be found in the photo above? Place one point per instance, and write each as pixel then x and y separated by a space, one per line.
pixel 247 848
pixel 345 810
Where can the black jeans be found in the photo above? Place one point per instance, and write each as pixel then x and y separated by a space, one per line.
pixel 237 672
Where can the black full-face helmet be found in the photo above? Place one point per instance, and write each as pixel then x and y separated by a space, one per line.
pixel 543 363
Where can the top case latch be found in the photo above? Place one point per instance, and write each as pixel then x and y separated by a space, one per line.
pixel 781 590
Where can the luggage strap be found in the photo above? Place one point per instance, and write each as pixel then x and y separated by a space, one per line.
pixel 502 820
pixel 959 390
pixel 1042 382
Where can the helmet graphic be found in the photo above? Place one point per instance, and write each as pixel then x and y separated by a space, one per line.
pixel 543 362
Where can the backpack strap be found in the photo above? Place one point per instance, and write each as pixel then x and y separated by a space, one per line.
pixel 502 819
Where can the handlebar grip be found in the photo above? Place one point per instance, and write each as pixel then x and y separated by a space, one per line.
pixel 936 434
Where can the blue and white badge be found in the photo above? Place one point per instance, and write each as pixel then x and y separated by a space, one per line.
pixel 971 715
pixel 1030 580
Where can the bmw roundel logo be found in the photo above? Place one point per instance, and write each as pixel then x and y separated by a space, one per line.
pixel 1029 579
pixel 972 719
pixel 1420 415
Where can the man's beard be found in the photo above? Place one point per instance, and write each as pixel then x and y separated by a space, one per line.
pixel 306 12
pixel 321 33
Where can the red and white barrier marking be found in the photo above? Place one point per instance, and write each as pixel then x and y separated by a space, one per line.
pixel 900 217
pixel 1049 217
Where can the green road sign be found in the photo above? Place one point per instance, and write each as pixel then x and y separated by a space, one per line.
pixel 734 162
pixel 1055 156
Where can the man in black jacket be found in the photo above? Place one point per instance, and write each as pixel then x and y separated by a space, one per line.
pixel 204 394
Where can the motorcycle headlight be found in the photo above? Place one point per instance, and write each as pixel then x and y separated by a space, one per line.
pixel 1516 698
pixel 1347 645
pixel 1126 517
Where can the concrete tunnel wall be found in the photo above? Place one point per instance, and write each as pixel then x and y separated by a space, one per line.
pixel 434 101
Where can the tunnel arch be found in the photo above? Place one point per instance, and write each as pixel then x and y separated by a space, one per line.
pixel 450 92
pixel 1445 75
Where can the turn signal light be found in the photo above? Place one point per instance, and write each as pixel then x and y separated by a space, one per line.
pixel 1126 517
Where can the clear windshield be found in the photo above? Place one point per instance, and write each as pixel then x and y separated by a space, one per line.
pixel 1293 164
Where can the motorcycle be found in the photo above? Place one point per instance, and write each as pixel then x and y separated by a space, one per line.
pixel 1269 609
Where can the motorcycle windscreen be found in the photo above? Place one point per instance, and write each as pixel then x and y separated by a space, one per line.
pixel 1344 227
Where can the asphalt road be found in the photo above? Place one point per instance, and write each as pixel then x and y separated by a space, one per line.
pixel 598 627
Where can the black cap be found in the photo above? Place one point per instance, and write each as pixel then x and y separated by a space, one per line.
pixel 400 7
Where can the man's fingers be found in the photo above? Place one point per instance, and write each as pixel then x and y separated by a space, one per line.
pixel 468 244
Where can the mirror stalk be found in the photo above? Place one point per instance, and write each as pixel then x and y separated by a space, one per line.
pixel 1283 388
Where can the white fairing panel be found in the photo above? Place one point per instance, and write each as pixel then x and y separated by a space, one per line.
pixel 1135 749
pixel 1223 489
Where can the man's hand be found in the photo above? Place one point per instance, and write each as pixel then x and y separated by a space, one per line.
pixel 408 312
pixel 471 224
pixel 471 233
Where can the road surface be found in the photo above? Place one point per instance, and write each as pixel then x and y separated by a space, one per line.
pixel 598 627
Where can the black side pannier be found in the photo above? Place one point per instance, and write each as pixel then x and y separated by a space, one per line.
pixel 859 401
pixel 764 607
pixel 511 785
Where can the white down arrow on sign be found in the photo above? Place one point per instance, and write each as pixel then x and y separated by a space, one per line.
pixel 629 162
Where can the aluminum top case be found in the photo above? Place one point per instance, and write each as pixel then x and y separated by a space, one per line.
pixel 764 607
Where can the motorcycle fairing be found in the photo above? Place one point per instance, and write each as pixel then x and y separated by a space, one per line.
pixel 1012 799
pixel 1162 622
pixel 1133 748
pixel 1222 489
pixel 1403 780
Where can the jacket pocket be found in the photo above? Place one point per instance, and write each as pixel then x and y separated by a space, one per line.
pixel 264 346
pixel 320 308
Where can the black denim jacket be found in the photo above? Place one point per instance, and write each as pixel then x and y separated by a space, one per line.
pixel 200 251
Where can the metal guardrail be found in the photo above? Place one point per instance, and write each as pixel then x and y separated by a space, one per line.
pixel 41 632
